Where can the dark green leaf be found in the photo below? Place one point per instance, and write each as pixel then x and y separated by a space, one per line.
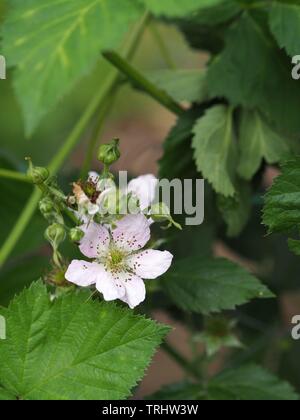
pixel 252 72
pixel 281 211
pixel 249 383
pixel 211 285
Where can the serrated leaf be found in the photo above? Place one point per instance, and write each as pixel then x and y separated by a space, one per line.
pixel 177 8
pixel 73 348
pixel 281 211
pixel 53 44
pixel 250 383
pixel 181 85
pixel 211 285
pixel 215 150
pixel 258 141
pixel 252 72
pixel 284 18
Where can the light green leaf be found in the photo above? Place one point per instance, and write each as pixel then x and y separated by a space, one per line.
pixel 285 24
pixel 258 141
pixel 250 383
pixel 73 348
pixel 177 8
pixel 181 85
pixel 53 44
pixel 211 285
pixel 252 72
pixel 215 150
pixel 281 211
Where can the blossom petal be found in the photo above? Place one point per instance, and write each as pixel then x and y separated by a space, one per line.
pixel 110 285
pixel 144 188
pixel 135 290
pixel 96 240
pixel 82 273
pixel 150 264
pixel 132 232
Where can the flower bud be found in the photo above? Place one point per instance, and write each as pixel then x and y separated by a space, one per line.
pixel 37 174
pixel 76 235
pixel 109 153
pixel 46 206
pixel 55 234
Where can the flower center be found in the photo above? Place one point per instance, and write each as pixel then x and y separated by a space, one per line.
pixel 115 260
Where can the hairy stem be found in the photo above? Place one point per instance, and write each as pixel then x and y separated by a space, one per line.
pixel 141 82
pixel 69 144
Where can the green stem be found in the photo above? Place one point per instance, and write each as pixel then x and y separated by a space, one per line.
pixel 162 47
pixel 68 146
pixel 14 175
pixel 185 364
pixel 140 81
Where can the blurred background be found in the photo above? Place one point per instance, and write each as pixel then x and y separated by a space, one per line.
pixel 142 125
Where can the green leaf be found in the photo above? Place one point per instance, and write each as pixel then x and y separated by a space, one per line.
pixel 73 348
pixel 177 8
pixel 211 285
pixel 285 24
pixel 181 85
pixel 249 383
pixel 258 141
pixel 251 71
pixel 215 151
pixel 179 391
pixel 236 210
pixel 281 211
pixel 53 44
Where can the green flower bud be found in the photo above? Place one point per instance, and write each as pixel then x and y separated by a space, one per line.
pixel 109 153
pixel 55 234
pixel 37 175
pixel 46 206
pixel 76 235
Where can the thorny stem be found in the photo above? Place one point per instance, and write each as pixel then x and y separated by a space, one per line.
pixel 69 144
pixel 140 81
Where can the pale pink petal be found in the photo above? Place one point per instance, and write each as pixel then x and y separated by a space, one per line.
pixel 132 232
pixel 110 285
pixel 96 240
pixel 150 264
pixel 82 273
pixel 135 291
pixel 144 188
